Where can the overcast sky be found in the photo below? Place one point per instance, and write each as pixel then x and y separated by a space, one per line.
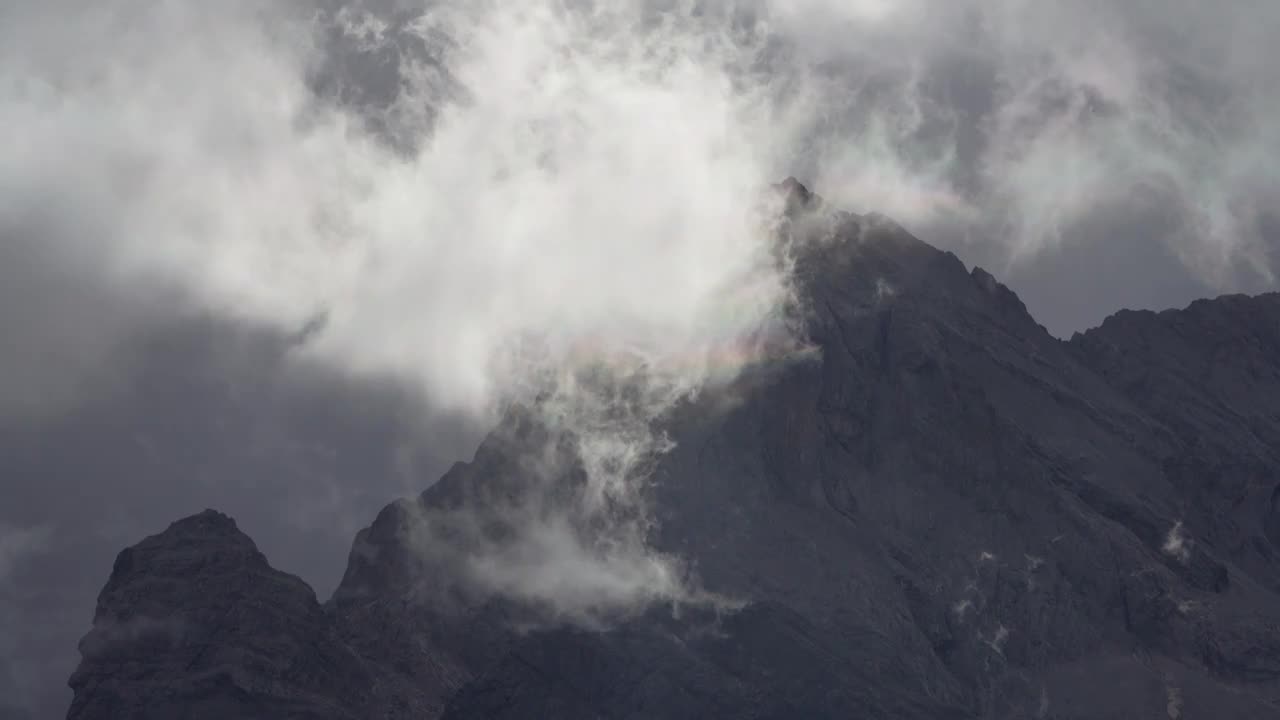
pixel 459 198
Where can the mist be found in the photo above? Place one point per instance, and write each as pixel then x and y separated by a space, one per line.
pixel 473 173
pixel 585 206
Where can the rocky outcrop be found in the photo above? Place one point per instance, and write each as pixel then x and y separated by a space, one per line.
pixel 1209 375
pixel 942 512
pixel 194 623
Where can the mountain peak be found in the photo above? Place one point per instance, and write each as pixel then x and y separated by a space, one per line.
pixel 796 197
pixel 208 537
pixel 207 521
pixel 195 623
pixel 944 513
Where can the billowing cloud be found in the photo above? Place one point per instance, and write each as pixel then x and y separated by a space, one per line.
pixel 590 185
pixel 536 168
pixel 1023 125
pixel 576 217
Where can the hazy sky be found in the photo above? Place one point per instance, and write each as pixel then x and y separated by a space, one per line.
pixel 476 195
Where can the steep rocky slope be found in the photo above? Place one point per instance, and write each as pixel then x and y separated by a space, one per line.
pixel 1209 374
pixel 943 512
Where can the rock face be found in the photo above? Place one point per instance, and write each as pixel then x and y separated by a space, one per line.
pixel 194 623
pixel 943 513
pixel 1209 375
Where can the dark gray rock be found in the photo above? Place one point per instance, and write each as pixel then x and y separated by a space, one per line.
pixel 979 519
pixel 1210 375
pixel 943 512
pixel 195 624
pixel 763 661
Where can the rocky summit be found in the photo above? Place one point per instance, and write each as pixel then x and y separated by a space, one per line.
pixel 942 511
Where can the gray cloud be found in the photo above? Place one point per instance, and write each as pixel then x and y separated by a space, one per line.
pixel 1021 132
pixel 581 207
pixel 505 169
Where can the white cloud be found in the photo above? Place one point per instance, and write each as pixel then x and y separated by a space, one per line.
pixel 583 212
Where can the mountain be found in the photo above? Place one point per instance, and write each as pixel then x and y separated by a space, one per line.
pixel 194 623
pixel 943 512
pixel 198 412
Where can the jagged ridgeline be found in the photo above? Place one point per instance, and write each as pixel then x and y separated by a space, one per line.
pixel 937 510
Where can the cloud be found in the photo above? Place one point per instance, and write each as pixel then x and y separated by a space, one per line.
pixel 580 175
pixel 575 219
pixel 1023 123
